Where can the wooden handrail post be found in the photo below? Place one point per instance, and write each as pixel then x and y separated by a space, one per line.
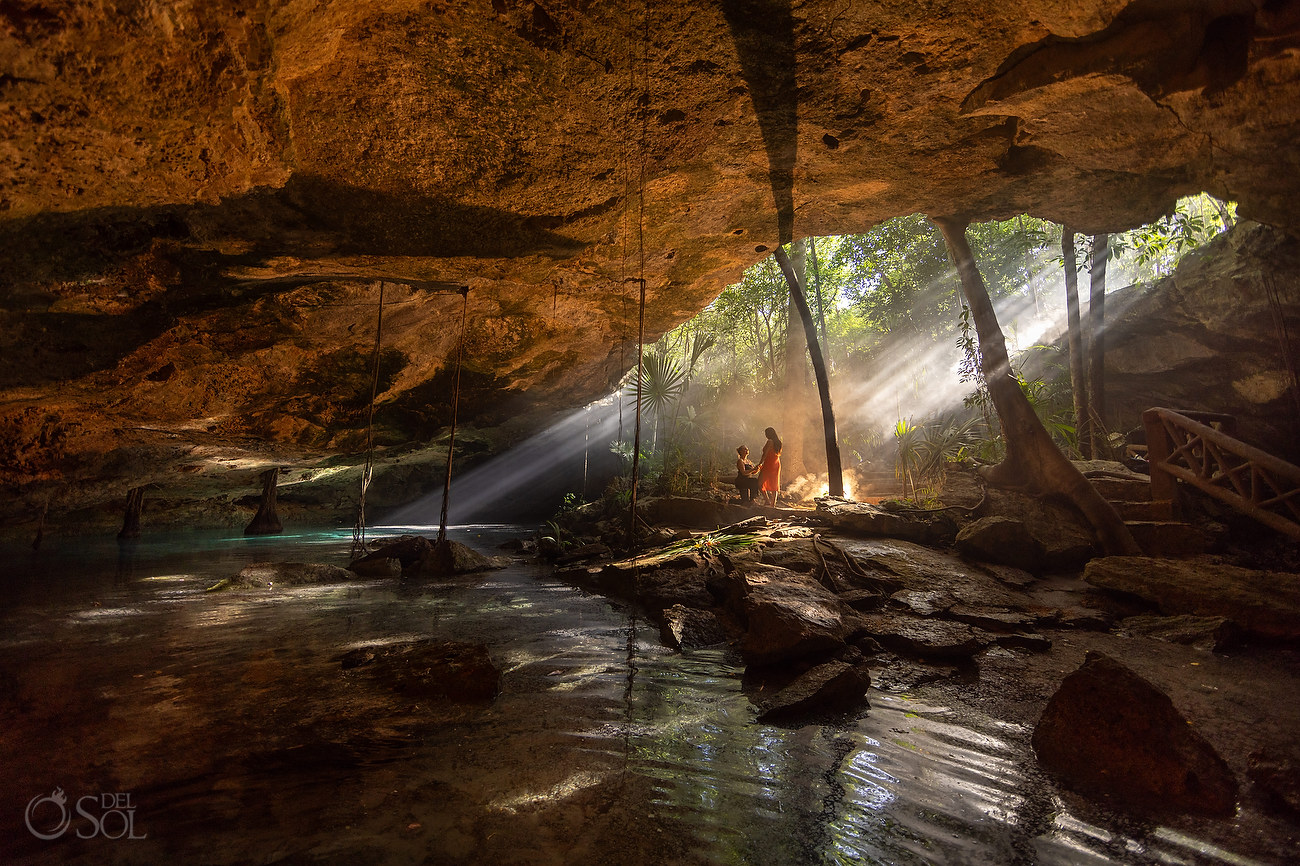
pixel 1162 483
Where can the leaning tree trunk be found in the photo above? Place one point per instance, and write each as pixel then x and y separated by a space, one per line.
pixel 1097 345
pixel 266 522
pixel 1032 459
pixel 1074 333
pixel 834 472
pixel 794 415
pixel 821 300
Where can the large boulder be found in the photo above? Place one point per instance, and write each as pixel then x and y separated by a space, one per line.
pixel 864 519
pixel 683 627
pixel 417 555
pixel 786 615
pixel 891 565
pixel 827 687
pixel 1066 540
pixel 1002 540
pixel 1264 604
pixel 924 637
pixel 1109 734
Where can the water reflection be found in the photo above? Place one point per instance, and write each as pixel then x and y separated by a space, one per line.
pixel 229 719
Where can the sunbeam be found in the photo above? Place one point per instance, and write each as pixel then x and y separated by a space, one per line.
pixel 531 476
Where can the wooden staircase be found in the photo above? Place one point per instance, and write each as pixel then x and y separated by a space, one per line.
pixel 1199 450
pixel 1254 482
pixel 1155 523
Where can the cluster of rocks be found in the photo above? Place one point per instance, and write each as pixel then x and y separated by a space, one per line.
pixel 811 617
pixel 904 597
pixel 408 556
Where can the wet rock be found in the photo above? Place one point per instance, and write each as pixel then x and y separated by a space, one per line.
pixel 1066 540
pixel 417 555
pixel 272 575
pixel 860 518
pixel 1003 540
pixel 683 627
pixel 410 551
pixel 1083 618
pixel 1015 577
pixel 1203 632
pixel 1032 642
pixel 429 669
pixel 1110 734
pixel 863 599
pixel 679 582
pixel 829 687
pixel 1264 604
pixel 1275 770
pixel 525 546
pixel 452 557
pixel 894 674
pixel 928 638
pixel 893 565
pixel 921 602
pixel 991 618
pixel 796 556
pixel 786 615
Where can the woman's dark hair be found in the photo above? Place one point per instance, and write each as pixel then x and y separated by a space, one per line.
pixel 770 433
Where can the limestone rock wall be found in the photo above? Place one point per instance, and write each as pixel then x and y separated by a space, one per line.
pixel 198 200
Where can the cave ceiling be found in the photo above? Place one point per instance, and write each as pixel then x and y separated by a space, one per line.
pixel 200 201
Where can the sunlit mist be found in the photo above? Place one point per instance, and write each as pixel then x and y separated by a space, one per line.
pixel 526 473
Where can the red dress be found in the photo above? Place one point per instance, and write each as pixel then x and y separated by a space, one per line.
pixel 769 472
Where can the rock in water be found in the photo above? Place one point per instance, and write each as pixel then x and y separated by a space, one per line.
pixel 684 627
pixel 268 575
pixel 452 557
pixel 1110 734
pixel 410 551
pixel 429 669
pixel 834 685
pixel 419 555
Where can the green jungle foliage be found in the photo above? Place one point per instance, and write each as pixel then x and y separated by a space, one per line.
pixel 878 296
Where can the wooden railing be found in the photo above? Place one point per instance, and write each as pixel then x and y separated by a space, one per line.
pixel 1252 481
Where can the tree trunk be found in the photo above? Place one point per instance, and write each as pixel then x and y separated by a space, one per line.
pixel 1029 267
pixel 796 408
pixel 1097 349
pixel 131 519
pixel 1074 332
pixel 1032 460
pixel 266 522
pixel 821 301
pixel 834 472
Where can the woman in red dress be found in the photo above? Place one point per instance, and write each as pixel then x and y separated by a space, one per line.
pixel 769 470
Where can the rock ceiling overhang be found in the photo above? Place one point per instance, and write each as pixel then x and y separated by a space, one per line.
pixel 198 198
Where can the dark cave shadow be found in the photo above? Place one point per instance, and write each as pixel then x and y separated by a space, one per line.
pixel 763 33
pixel 310 218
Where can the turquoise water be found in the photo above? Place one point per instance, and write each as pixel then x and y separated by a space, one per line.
pixel 227 723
